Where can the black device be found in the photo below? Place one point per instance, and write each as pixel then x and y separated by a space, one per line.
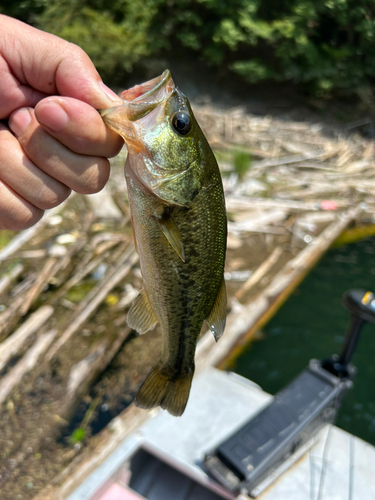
pixel 295 415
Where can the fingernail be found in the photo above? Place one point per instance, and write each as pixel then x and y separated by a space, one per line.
pixel 19 121
pixel 109 93
pixel 51 114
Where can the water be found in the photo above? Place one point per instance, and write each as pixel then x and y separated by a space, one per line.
pixel 312 324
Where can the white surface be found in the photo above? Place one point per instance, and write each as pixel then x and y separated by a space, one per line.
pixel 219 404
pixel 348 472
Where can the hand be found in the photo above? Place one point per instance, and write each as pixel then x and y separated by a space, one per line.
pixel 56 140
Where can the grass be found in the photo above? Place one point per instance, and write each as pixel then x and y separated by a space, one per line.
pixel 241 162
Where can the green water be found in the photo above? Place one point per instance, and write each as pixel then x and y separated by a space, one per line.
pixel 312 324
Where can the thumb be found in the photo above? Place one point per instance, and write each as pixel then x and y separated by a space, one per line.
pixel 51 65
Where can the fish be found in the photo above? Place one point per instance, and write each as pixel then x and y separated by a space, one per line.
pixel 179 224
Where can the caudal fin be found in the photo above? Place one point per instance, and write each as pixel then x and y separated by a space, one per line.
pixel 159 390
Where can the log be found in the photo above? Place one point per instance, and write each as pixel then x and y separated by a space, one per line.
pixel 26 364
pixel 6 280
pixel 14 343
pixel 262 270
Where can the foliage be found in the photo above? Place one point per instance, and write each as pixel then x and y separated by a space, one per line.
pixel 114 34
pixel 242 161
pixel 78 435
pixel 326 45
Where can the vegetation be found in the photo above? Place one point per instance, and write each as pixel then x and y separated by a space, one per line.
pixel 325 45
pixel 242 162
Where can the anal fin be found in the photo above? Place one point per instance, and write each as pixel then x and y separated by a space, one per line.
pixel 217 317
pixel 171 232
pixel 141 317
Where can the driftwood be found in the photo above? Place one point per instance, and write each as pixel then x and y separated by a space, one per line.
pixel 6 280
pixel 14 343
pixel 259 273
pixel 96 297
pixel 27 363
pixel 23 237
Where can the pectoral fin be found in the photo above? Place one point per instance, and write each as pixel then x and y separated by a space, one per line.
pixel 141 317
pixel 171 232
pixel 216 319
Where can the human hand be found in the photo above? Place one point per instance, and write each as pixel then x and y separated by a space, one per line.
pixel 49 93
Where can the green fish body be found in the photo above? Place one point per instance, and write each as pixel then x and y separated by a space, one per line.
pixel 179 222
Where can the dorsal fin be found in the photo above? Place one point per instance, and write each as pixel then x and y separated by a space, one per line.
pixel 171 232
pixel 217 317
pixel 141 317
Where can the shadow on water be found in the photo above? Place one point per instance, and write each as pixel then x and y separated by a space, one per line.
pixel 312 324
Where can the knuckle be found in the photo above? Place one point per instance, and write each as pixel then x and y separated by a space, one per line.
pixel 95 178
pixel 51 198
pixel 23 219
pixel 75 52
pixel 116 147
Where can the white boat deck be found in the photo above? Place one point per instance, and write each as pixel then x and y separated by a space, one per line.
pixel 338 467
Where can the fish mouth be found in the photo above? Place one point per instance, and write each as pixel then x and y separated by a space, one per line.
pixel 138 101
pixel 151 91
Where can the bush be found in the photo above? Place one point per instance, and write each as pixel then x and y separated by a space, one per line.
pixel 325 45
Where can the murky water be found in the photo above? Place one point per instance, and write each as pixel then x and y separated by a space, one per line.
pixel 312 324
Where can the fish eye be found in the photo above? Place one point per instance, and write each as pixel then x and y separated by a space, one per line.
pixel 181 123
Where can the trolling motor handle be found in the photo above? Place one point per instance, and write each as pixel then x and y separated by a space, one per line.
pixel 361 305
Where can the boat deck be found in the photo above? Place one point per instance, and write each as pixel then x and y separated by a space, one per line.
pixel 163 459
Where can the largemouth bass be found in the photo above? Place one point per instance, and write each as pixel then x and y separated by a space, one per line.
pixel 179 224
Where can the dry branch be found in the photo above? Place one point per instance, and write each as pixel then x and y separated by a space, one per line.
pixel 26 364
pixel 14 343
pixel 6 280
pixel 262 270
pixel 26 235
pixel 99 294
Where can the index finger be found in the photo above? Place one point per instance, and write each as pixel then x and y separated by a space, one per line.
pixel 78 126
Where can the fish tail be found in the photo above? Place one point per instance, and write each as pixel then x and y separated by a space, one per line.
pixel 160 390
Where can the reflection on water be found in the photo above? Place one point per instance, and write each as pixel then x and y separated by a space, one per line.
pixel 312 324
